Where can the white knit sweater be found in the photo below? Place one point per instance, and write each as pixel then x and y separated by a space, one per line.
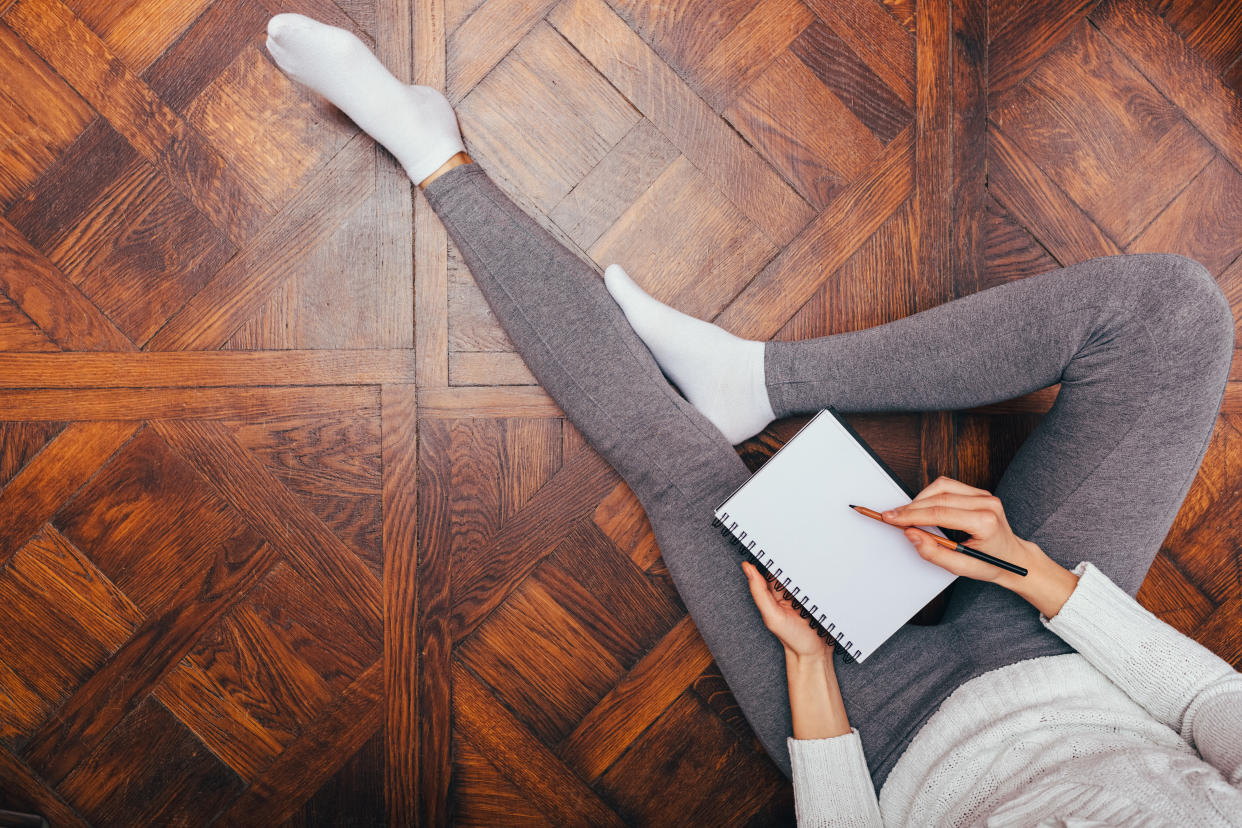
pixel 1141 726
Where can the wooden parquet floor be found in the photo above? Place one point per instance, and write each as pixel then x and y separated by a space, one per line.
pixel 288 533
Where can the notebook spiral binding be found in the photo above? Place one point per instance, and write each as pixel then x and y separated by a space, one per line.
pixel 817 620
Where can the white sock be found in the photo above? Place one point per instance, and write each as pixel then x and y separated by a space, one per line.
pixel 414 123
pixel 720 374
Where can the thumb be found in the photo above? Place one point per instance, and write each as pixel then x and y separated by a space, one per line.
pixel 758 589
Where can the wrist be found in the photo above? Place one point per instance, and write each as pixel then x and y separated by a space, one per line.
pixel 1048 586
pixel 820 658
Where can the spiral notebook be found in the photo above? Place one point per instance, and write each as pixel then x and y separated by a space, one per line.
pixel 858 579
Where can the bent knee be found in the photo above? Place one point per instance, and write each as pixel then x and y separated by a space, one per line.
pixel 1190 314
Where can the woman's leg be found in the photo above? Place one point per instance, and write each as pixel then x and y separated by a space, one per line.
pixel 1141 345
pixel 579 346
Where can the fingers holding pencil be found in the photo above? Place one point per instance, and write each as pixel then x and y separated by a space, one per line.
pixel 954 505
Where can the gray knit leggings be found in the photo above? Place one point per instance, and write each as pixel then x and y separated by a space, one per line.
pixel 1141 345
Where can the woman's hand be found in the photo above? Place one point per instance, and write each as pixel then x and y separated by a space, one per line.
pixel 954 505
pixel 782 618
pixel 815 701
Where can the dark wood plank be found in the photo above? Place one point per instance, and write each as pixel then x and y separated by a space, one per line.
pixel 330 740
pixel 68 462
pixel 933 143
pixel 134 671
pixel 1204 222
pixel 746 51
pixel 1009 251
pixel 299 535
pixel 682 116
pixel 819 145
pixel 1173 68
pixel 875 37
pixel 219 721
pixel 275 253
pixel 51 300
pixel 205 50
pixel 522 759
pixel 205 369
pixel 432 632
pixel 636 700
pixel 150 769
pixel 875 104
pixel 481 584
pixel 24 790
pixel 37 125
pixel 1023 36
pixel 705 773
pixel 547 666
pixel 401 584
pixel 831 238
pixel 1211 29
pixel 1041 206
pixel 136 112
pixel 969 153
pixel 209 403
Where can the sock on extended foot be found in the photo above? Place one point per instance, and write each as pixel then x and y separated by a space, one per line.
pixel 720 374
pixel 415 123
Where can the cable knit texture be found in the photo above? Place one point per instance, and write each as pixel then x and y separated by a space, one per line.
pixel 1141 726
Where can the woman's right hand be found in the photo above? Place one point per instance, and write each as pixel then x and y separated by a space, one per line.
pixel 954 505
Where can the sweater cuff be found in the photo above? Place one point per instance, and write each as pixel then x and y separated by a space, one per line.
pixel 832 785
pixel 1157 666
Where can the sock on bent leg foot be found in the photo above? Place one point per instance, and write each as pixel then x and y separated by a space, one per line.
pixel 720 374
pixel 415 123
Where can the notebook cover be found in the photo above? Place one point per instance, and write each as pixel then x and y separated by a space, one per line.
pixel 860 579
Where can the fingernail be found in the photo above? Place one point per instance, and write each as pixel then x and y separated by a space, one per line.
pixel 891 513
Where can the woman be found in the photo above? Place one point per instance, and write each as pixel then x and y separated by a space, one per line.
pixel 1052 697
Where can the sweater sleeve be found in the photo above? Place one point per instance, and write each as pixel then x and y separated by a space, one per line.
pixel 832 786
pixel 1176 679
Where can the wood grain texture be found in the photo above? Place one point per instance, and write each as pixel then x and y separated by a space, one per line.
pixel 1177 72
pixel 190 164
pixel 58 405
pixel 298 534
pixel 205 369
pixel 400 452
pixel 208 319
pixel 790 279
pixel 1039 204
pixel 55 474
pixel 51 301
pixel 1023 36
pixel 50 116
pixel 432 630
pixel 634 702
pixel 663 99
pixel 876 38
pixel 522 758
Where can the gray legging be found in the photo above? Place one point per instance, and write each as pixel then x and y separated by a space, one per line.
pixel 1141 345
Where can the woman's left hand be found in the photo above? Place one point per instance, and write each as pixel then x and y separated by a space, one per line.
pixel 782 618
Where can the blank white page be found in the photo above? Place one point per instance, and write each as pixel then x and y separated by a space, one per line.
pixel 862 577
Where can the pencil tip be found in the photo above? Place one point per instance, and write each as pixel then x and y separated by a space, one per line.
pixel 852 506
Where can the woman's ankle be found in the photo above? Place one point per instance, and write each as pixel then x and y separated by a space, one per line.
pixel 456 161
